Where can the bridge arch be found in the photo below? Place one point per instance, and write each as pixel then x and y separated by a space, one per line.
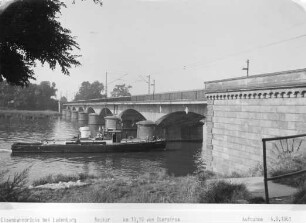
pixel 90 110
pixel 80 109
pixel 180 118
pixel 105 112
pixel 181 126
pixel 130 117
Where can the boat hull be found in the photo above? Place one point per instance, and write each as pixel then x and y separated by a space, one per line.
pixel 18 148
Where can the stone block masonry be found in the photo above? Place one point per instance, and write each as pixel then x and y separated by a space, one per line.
pixel 238 118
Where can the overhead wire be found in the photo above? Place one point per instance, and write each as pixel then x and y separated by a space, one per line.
pixel 204 64
pixel 244 51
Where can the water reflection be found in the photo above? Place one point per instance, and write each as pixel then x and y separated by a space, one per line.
pixel 179 159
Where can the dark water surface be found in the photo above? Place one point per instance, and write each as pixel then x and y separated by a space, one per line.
pixel 179 159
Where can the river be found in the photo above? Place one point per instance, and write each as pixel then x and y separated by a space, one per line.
pixel 179 159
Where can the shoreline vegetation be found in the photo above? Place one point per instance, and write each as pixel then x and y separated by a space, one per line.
pixel 27 114
pixel 155 187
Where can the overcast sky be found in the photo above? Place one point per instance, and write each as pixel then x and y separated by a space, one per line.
pixel 180 43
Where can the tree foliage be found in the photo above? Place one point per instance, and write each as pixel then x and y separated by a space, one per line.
pixel 30 32
pixel 121 90
pixel 34 97
pixel 63 99
pixel 89 91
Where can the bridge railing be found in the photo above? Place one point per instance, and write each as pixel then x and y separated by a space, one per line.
pixel 193 95
pixel 126 98
pixel 171 96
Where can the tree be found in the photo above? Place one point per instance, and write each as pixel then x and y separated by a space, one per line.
pixel 6 94
pixel 34 97
pixel 30 32
pixel 121 90
pixel 89 91
pixel 63 99
pixel 44 93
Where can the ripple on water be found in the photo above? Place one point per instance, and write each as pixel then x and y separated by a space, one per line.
pixel 180 158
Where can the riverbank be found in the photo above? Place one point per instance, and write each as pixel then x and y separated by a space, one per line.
pixel 156 187
pixel 26 114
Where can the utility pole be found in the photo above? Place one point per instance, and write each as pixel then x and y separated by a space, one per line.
pixel 149 84
pixel 247 68
pixel 153 86
pixel 106 84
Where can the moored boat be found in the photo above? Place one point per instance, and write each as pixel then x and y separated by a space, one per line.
pixel 88 146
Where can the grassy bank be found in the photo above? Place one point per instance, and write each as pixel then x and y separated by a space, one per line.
pixel 156 187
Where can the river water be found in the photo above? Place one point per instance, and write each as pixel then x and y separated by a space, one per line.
pixel 179 159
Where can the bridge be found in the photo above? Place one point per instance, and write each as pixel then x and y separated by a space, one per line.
pixel 231 116
pixel 179 115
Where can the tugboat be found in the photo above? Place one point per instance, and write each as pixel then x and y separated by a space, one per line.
pixel 106 141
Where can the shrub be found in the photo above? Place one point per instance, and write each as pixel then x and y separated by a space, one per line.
pixel 288 160
pixel 205 175
pixel 224 192
pixel 14 189
pixel 300 197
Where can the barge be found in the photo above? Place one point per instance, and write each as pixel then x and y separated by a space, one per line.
pixel 87 146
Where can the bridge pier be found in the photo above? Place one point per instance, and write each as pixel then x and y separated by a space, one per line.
pixel 83 117
pixel 74 115
pixel 68 114
pixel 94 119
pixel 64 113
pixel 146 130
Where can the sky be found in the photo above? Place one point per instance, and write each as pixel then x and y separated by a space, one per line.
pixel 180 43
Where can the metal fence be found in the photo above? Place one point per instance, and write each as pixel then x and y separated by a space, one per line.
pixel 283 158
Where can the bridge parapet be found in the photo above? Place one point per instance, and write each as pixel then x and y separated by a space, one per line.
pixel 278 80
pixel 193 95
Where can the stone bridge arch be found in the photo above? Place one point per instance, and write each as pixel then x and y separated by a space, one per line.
pixel 90 110
pixel 181 126
pixel 130 117
pixel 103 113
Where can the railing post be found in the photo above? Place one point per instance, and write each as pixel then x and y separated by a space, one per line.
pixel 265 170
